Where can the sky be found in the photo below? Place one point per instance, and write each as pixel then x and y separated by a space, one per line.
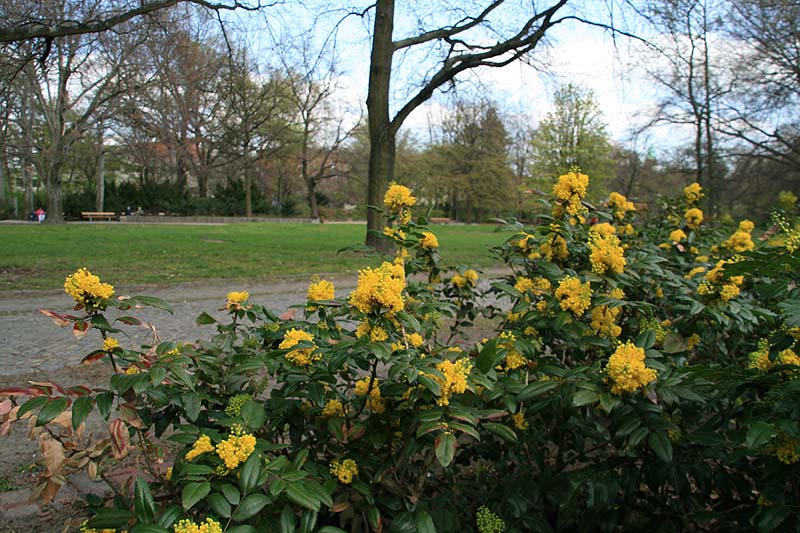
pixel 579 54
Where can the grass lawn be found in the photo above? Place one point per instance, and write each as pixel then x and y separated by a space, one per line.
pixel 40 256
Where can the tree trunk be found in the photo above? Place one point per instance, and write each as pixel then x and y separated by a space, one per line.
pixel 100 183
pixel 55 210
pixel 27 183
pixel 248 184
pixel 381 130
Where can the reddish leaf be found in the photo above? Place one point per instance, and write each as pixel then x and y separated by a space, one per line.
pixel 80 328
pixel 288 315
pixel 5 407
pixel 129 320
pixel 48 384
pixel 120 439
pixel 58 320
pixel 127 412
pixel 18 391
pixel 79 390
pixel 92 357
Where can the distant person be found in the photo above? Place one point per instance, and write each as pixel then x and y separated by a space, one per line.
pixel 128 211
pixel 139 211
pixel 40 214
pixel 32 216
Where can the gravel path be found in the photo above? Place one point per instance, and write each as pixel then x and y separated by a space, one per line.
pixel 31 342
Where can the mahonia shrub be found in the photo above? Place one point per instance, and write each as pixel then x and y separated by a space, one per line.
pixel 639 370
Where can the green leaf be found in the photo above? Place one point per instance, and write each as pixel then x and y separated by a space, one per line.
pixel 110 519
pixel 143 504
pixel 430 384
pixel 193 493
pixel 250 506
pixel 152 301
pixel 660 444
pixel 169 516
pixel 148 528
pixel 501 430
pixel 314 488
pixel 81 409
pixel 646 339
pixel 331 529
pixel 308 519
pixel 104 402
pixel 241 528
pixel 276 487
pixel 204 319
pixel 287 519
pixel 52 408
pixel 231 493
pixel 248 477
pixel 486 358
pixel 374 516
pixel 157 375
pixel 445 448
pixel 191 405
pixel 300 495
pixel 584 397
pixel 425 522
pixel 34 403
pixel 537 388
pixel 219 504
pixel 759 433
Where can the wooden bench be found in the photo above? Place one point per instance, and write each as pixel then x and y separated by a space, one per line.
pixel 91 215
pixel 439 220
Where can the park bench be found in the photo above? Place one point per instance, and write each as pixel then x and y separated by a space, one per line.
pixel 91 215
pixel 439 220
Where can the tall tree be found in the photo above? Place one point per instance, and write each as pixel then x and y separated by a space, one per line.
pixel 572 135
pixel 688 70
pixel 489 34
pixel 473 162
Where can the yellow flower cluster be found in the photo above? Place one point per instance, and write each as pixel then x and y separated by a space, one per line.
pixel 620 205
pixel 236 299
pixel 110 344
pixel 695 271
pixel 652 324
pixel 468 279
pixel 187 526
pixel 603 229
pixel 413 339
pixel 692 341
pixel 570 190
pixel 527 245
pixel 395 234
pixel 519 421
pixel 345 470
pixel 627 370
pixel 741 240
pixel 791 236
pixel 555 248
pixel 201 445
pixel 380 288
pixel 132 370
pixel 319 290
pixel 375 402
pixel 398 197
pixel 333 407
pixel 787 449
pixel 677 235
pixel 693 218
pixel 236 448
pixel 85 287
pixel 573 295
pixel 513 359
pixel 693 193
pixel 301 356
pixel 714 283
pixel 455 378
pixel 536 286
pixel 428 241
pixel 604 321
pixel 606 254
pixel 760 358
